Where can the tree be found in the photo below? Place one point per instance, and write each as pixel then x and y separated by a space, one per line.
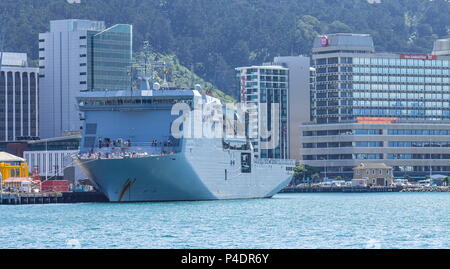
pixel 315 177
pixel 447 181
pixel 223 34
pixel 299 174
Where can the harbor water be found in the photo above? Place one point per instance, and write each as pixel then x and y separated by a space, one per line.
pixel 295 221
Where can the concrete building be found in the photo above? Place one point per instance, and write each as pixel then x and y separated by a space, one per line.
pixel 299 101
pixel 375 174
pixel 18 97
pixel 442 47
pixel 377 107
pixel 74 56
pixel 53 158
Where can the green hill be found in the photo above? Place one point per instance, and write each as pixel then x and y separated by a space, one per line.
pixel 215 36
pixel 179 75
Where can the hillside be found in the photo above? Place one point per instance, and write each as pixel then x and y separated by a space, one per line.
pixel 179 75
pixel 214 36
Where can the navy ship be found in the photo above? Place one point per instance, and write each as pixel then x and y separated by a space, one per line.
pixel 129 152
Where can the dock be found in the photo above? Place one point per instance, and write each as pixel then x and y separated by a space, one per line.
pixel 52 198
pixel 340 189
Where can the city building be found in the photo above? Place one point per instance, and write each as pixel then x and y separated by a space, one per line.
pixel 299 101
pixel 375 174
pixel 266 87
pixel 377 107
pixel 74 56
pixel 52 158
pixel 18 97
pixel 12 167
pixel 442 47
pixel 285 82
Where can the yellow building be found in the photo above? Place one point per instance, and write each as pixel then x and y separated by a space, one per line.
pixel 12 167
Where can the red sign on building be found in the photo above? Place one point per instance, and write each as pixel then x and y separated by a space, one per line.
pixel 418 56
pixel 324 41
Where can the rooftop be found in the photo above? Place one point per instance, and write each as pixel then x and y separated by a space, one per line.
pixel 372 166
pixel 138 93
pixel 72 25
pixel 13 59
pixel 442 47
pixel 18 180
pixel 6 157
pixel 344 41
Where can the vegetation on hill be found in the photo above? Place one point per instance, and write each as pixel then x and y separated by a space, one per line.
pixel 177 75
pixel 215 36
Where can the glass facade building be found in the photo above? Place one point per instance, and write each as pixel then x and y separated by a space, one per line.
pixel 377 107
pixel 351 84
pixel 110 55
pixel 266 85
pixel 75 56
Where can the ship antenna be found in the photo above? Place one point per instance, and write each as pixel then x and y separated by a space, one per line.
pixel 147 50
pixel 192 76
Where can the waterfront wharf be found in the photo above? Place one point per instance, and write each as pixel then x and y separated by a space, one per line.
pixel 51 198
pixel 340 189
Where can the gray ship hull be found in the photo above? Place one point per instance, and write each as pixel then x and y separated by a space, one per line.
pixel 173 178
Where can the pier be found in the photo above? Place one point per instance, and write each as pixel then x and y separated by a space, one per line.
pixel 340 189
pixel 51 198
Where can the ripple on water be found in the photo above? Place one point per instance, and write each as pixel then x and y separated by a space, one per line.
pixel 412 220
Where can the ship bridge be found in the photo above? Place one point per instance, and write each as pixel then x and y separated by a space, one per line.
pixel 140 99
pixel 131 123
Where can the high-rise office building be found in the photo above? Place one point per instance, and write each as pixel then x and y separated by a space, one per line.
pixel 379 107
pixel 109 58
pixel 74 56
pixel 18 97
pixel 266 87
pixel 299 101
pixel 285 83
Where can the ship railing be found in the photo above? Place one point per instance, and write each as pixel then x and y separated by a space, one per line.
pixel 129 152
pixel 128 145
pixel 275 161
